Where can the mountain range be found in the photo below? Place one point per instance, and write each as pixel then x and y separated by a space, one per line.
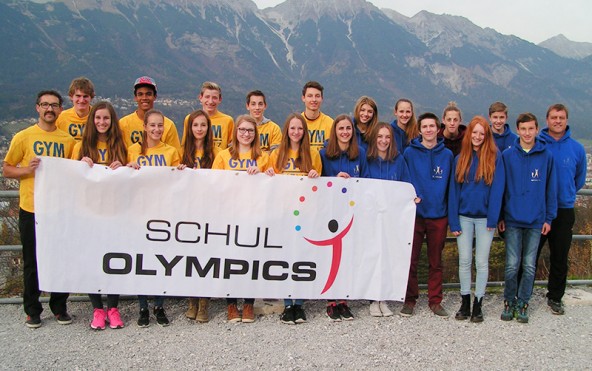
pixel 564 47
pixel 352 47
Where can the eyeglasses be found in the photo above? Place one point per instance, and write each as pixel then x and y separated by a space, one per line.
pixel 246 131
pixel 46 105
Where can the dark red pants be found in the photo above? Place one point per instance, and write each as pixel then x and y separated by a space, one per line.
pixel 434 232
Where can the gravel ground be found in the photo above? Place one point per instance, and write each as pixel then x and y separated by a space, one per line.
pixel 423 341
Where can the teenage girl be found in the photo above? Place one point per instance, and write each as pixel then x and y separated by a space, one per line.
pixel 365 117
pixel 474 202
pixel 343 158
pixel 198 153
pixel 244 154
pixel 102 143
pixel 385 162
pixel 405 124
pixel 294 157
pixel 152 151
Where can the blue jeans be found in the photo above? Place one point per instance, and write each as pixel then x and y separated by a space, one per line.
pixel 143 299
pixel 521 250
pixel 483 236
pixel 288 302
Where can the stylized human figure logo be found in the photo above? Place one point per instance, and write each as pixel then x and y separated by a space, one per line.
pixel 438 170
pixel 336 241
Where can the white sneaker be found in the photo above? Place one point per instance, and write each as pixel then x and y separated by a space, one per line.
pixel 375 309
pixel 386 312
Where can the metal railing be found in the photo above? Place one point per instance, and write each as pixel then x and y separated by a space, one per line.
pixel 576 237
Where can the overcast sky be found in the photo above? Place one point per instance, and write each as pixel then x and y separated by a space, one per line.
pixel 532 20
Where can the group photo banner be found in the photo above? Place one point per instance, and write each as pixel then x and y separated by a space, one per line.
pixel 215 233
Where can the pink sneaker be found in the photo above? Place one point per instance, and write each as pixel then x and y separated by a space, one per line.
pixel 114 318
pixel 98 322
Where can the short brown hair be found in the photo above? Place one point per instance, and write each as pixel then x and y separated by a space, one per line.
pixel 526 117
pixel 208 85
pixel 255 93
pixel 313 85
pixel 558 107
pixel 498 107
pixel 83 84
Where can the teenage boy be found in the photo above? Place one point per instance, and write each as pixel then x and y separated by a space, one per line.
pixel 20 163
pixel 73 120
pixel 210 97
pixel 452 129
pixel 530 204
pixel 502 135
pixel 430 165
pixel 570 157
pixel 132 125
pixel 270 134
pixel 319 124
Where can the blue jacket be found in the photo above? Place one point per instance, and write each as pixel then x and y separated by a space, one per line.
pixel 430 171
pixel 389 170
pixel 570 160
pixel 357 168
pixel 476 199
pixel 530 198
pixel 360 136
pixel 400 137
pixel 505 140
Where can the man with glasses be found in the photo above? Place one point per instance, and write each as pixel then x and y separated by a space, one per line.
pixel 22 159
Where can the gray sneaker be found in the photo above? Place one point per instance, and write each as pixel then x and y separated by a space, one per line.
pixel 439 310
pixel 556 306
pixel 407 310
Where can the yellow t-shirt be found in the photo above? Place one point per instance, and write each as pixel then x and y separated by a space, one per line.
pixel 34 142
pixel 71 123
pixel 199 154
pixel 290 168
pixel 101 147
pixel 132 128
pixel 270 136
pixel 222 129
pixel 224 161
pixel 161 155
pixel 319 130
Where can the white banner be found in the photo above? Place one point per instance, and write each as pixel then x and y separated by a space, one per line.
pixel 215 233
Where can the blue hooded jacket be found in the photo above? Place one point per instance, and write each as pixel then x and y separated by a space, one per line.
pixel 356 168
pixel 430 171
pixel 359 135
pixel 389 170
pixel 476 199
pixel 400 137
pixel 530 198
pixel 506 139
pixel 570 160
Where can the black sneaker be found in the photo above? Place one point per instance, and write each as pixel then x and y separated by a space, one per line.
pixel 344 312
pixel 144 320
pixel 161 317
pixel 63 318
pixel 556 306
pixel 299 315
pixel 288 316
pixel 33 321
pixel 333 313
